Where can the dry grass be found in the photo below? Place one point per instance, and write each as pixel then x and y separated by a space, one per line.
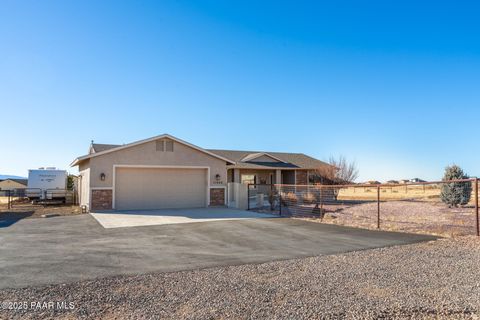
pixel 425 192
pixel 405 192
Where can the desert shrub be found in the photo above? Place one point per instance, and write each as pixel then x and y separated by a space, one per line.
pixel 309 198
pixel 455 193
pixel 291 197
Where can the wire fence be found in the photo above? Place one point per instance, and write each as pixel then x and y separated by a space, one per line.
pixel 35 197
pixel 442 207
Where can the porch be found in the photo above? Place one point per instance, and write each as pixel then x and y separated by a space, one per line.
pixel 262 180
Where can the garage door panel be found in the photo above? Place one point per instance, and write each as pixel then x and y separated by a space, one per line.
pixel 157 188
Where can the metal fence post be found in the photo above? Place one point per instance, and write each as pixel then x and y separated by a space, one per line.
pixel 476 207
pixel 378 207
pixel 321 199
pixel 280 202
pixel 248 196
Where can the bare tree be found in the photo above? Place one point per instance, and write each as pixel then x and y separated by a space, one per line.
pixel 347 172
pixel 339 171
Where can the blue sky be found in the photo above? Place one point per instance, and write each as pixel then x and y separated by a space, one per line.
pixel 393 86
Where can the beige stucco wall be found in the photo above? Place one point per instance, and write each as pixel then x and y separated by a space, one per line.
pixel 146 154
pixel 83 185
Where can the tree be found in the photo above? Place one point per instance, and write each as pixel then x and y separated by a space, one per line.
pixel 455 193
pixel 346 172
pixel 339 171
pixel 70 182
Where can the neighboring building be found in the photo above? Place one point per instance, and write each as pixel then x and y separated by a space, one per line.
pixel 373 182
pixel 417 180
pixel 392 182
pixel 9 184
pixel 166 172
pixel 404 181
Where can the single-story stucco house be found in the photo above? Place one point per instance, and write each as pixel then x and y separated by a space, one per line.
pixel 13 183
pixel 166 172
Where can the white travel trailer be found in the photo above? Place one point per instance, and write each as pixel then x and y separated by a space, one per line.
pixel 47 184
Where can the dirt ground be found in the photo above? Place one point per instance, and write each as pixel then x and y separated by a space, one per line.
pixel 408 216
pixel 27 211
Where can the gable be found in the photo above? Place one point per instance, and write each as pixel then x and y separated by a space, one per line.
pixel 140 142
pixel 153 153
pixel 264 158
pixel 260 157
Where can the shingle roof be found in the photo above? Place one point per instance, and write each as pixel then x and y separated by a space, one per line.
pixel 21 181
pixel 99 147
pixel 292 160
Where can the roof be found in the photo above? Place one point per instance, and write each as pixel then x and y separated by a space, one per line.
pixel 236 158
pixel 290 160
pixel 99 147
pixel 128 145
pixel 21 181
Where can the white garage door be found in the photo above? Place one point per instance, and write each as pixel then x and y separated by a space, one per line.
pixel 160 188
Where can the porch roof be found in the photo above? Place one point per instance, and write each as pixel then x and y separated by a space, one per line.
pixel 262 165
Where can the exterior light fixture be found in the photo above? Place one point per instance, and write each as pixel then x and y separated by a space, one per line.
pixel 217 177
pixel 102 176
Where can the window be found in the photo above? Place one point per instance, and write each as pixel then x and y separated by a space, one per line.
pixel 249 179
pixel 169 145
pixel 164 145
pixel 159 145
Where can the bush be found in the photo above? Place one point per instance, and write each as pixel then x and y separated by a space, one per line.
pixel 309 198
pixel 291 198
pixel 455 193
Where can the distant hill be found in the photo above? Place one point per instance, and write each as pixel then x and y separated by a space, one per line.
pixel 8 176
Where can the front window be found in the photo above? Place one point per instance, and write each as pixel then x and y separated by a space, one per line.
pixel 249 179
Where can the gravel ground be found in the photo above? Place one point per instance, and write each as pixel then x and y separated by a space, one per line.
pixel 407 216
pixel 437 279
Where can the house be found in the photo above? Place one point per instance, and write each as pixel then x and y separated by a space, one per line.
pixel 417 180
pixel 392 182
pixel 166 172
pixel 9 184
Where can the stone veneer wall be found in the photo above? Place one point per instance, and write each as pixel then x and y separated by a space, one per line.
pixel 217 196
pixel 101 200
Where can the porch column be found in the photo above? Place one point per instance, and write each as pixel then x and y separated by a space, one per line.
pixel 236 175
pixel 278 176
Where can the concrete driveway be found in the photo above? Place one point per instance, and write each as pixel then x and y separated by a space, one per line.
pixel 64 249
pixel 136 218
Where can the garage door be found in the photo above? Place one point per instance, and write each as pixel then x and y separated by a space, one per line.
pixel 154 188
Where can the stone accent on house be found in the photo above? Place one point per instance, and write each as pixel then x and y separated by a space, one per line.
pixel 217 196
pixel 301 177
pixel 101 200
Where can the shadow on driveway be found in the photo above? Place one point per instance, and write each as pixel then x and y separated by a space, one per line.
pixel 9 218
